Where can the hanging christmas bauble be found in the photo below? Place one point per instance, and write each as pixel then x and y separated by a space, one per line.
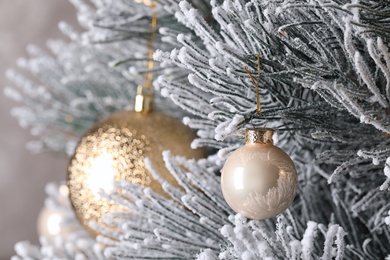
pixel 52 222
pixel 259 180
pixel 115 149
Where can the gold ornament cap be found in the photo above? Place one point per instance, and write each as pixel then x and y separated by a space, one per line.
pixel 259 135
pixel 143 102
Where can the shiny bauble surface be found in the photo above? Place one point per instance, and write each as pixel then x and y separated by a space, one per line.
pixel 259 181
pixel 115 150
pixel 52 223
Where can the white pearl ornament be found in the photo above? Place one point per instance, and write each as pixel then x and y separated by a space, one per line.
pixel 259 180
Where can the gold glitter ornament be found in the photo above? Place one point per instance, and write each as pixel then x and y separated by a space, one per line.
pixel 115 149
pixel 259 180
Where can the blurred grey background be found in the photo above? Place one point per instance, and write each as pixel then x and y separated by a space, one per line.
pixel 23 175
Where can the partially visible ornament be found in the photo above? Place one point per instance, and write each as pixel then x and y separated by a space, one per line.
pixel 259 180
pixel 54 221
pixel 49 222
pixel 115 150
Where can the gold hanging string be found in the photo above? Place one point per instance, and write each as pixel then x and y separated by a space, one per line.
pixel 144 98
pixel 256 82
pixel 149 77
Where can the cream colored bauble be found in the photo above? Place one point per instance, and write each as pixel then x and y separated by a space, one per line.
pixel 115 150
pixel 259 180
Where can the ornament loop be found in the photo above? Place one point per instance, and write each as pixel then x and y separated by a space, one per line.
pixel 256 82
pixel 258 136
pixel 144 102
pixel 151 43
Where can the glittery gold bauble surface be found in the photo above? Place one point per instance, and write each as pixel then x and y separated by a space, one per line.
pixel 259 180
pixel 114 150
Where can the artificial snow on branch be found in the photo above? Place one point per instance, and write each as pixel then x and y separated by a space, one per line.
pixel 325 89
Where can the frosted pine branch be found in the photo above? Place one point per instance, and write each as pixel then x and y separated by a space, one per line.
pixel 81 82
pixel 311 52
pixel 75 243
pixel 324 89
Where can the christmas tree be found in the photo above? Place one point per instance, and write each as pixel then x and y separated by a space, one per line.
pixel 324 88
